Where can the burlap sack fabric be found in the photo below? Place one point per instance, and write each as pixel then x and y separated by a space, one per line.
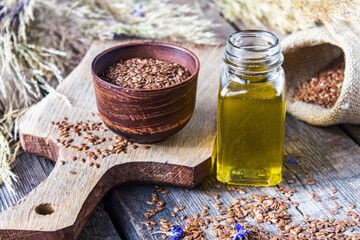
pixel 309 51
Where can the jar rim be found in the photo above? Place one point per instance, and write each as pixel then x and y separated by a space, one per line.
pixel 253 52
pixel 256 34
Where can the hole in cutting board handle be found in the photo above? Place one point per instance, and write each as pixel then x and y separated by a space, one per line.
pixel 45 209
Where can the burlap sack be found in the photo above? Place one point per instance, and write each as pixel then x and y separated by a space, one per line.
pixel 306 53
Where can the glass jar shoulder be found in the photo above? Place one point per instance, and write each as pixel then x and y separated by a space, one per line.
pixel 268 87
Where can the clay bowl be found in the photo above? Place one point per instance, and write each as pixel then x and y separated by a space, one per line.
pixel 146 115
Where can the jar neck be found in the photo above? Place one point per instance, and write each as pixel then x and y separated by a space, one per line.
pixel 253 54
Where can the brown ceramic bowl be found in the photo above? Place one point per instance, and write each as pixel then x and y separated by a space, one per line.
pixel 146 115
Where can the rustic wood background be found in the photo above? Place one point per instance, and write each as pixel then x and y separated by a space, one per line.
pixel 329 155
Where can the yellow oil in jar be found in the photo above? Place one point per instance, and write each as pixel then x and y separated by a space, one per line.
pixel 250 134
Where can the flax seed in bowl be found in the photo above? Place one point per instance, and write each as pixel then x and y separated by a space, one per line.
pixel 145 91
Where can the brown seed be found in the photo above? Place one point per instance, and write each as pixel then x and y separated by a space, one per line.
pixel 216 196
pixel 73 158
pixel 173 214
pixel 82 160
pixel 352 206
pixel 72 172
pixel 96 165
pixel 146 147
pixel 90 164
pixel 311 181
pixel 61 162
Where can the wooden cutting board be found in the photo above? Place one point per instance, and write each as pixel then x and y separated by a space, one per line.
pixel 59 206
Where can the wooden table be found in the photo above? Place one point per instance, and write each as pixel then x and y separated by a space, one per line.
pixel 330 156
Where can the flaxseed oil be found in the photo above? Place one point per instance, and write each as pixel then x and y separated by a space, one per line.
pixel 250 133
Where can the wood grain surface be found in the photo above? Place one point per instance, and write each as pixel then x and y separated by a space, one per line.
pixel 59 206
pixel 326 155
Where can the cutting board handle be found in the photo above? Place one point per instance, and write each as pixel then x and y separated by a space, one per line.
pixel 54 210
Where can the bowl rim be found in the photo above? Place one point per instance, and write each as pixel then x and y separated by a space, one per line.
pixel 152 43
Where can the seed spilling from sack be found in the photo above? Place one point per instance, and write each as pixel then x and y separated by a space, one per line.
pixel 323 89
pixel 140 73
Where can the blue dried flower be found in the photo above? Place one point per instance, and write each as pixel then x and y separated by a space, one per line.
pixel 240 232
pixel 176 233
pixel 293 160
pixel 138 11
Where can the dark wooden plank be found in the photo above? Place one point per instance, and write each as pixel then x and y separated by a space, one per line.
pixel 325 154
pixel 352 131
pixel 31 171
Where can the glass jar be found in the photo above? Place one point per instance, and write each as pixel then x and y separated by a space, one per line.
pixel 251 110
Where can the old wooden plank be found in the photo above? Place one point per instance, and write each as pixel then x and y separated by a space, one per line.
pixel 31 171
pixel 325 154
pixel 352 131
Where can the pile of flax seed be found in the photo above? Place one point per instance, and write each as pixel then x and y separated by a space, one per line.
pixel 324 88
pixel 138 73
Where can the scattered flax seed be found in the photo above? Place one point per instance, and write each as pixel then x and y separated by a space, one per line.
pixel 73 158
pixel 149 227
pixel 332 143
pixel 164 191
pixel 216 196
pixel 82 160
pixel 352 206
pixel 242 191
pixel 173 214
pixel 334 212
pixel 306 175
pixel 72 172
pixel 218 185
pixel 146 147
pixel 334 191
pixel 311 181
pixel 337 206
pixel 333 198
pixel 96 165
pixel 133 146
pixel 61 162
pixel 90 164
pixel 291 181
pixel 183 217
